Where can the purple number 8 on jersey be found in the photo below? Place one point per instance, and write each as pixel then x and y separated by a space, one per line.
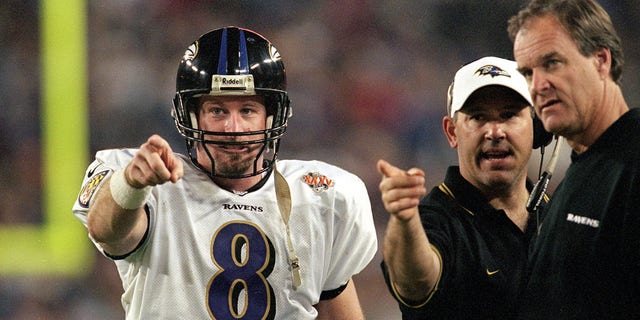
pixel 240 290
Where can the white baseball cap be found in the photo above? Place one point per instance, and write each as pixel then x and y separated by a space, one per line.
pixel 485 72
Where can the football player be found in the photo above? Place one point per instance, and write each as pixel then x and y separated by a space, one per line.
pixel 229 231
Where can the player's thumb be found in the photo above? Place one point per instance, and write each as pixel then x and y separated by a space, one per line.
pixel 415 172
pixel 175 166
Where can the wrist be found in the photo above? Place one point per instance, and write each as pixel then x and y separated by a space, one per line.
pixel 125 195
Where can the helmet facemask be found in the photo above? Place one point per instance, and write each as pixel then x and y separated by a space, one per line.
pixel 265 142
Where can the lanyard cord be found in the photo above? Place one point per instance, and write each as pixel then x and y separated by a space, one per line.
pixel 283 195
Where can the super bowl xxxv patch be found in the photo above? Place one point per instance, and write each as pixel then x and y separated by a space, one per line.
pixel 90 187
pixel 317 181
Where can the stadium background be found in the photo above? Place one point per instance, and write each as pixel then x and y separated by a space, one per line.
pixel 367 79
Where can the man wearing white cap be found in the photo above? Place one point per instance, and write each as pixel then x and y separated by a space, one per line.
pixel 461 252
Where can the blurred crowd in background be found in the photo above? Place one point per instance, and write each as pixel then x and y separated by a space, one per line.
pixel 367 80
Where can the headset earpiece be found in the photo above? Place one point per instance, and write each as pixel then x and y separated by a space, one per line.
pixel 541 137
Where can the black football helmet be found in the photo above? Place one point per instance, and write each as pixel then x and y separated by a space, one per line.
pixel 232 61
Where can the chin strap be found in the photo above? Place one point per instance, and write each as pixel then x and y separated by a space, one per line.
pixel 283 195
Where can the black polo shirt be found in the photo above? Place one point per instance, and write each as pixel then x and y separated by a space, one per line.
pixel 483 253
pixel 586 262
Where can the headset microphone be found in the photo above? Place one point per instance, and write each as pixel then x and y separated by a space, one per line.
pixel 540 187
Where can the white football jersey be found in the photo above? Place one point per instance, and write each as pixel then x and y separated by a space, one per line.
pixel 211 253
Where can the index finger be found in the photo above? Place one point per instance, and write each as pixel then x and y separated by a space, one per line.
pixel 159 159
pixel 159 145
pixel 171 162
pixel 388 170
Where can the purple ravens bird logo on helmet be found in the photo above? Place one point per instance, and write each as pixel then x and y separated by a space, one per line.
pixel 492 71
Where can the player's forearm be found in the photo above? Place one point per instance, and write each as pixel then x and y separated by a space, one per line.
pixel 413 265
pixel 116 229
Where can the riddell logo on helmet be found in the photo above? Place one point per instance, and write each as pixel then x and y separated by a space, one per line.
pixel 231 81
pixel 242 82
